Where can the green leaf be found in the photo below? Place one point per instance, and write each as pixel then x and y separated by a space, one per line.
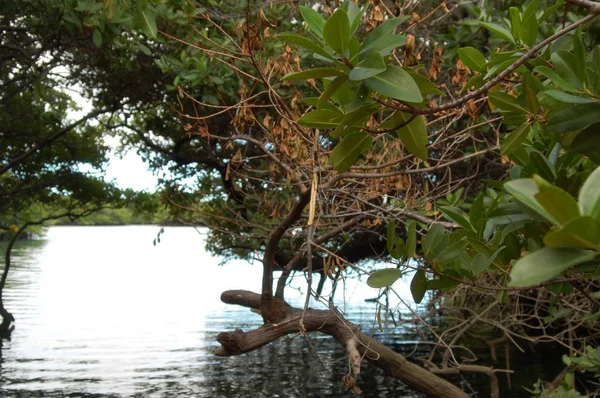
pixel 414 135
pixel 384 46
pixel 530 87
pixel 515 21
pixel 542 165
pixel 567 98
pixel 346 153
pixel 425 85
pixel 314 20
pixel 576 117
pixel 556 201
pixel 565 65
pixel 477 210
pixel 330 90
pixel 587 141
pixel 582 232
pixel 589 196
pixel 383 277
pixel 399 248
pixel 321 119
pixel 433 238
pixel 313 74
pixel 529 24
pixel 396 83
pixel 384 29
pixel 499 31
pixel 369 67
pixel 524 190
pixel 450 253
pixel 513 141
pixel 418 286
pixel 480 262
pixel 336 31
pixel 110 8
pixel 458 216
pixel 353 118
pixel 97 37
pixel 505 102
pixel 579 55
pixel 554 78
pixel 545 264
pixel 411 238
pixel 146 21
pixel 390 236
pixel 355 14
pixel 441 283
pixel 303 42
pixel 472 58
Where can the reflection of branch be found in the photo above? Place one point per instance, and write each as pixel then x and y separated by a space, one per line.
pixel 12 163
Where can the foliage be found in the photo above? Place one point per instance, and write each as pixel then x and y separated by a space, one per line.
pixel 460 137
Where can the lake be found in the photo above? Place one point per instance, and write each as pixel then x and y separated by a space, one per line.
pixel 102 312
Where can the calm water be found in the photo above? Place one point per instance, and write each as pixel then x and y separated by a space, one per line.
pixel 102 312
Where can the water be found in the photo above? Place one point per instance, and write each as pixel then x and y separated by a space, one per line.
pixel 101 312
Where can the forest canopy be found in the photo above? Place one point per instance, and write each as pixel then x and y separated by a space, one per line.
pixel 454 143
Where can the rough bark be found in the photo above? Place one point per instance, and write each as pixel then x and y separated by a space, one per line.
pixel 331 323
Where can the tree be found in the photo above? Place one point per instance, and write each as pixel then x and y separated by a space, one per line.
pixel 312 143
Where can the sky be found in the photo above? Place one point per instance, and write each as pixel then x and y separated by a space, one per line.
pixel 130 172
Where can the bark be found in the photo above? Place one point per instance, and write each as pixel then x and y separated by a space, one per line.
pixel 332 323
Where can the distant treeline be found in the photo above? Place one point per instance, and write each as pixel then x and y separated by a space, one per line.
pixel 121 216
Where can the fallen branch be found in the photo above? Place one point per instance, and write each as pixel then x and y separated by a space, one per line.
pixel 329 322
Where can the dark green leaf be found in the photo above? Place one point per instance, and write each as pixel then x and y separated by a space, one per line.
pixel 567 98
pixel 346 153
pixel 565 65
pixel 321 119
pixel 515 22
pixel 353 119
pixel 314 20
pixel 399 249
pixel 411 238
pixel 441 283
pixel 542 165
pixel 582 232
pixel 425 85
pixel 418 286
pixel 433 238
pixel 383 277
pixel 303 42
pixel 330 90
pixel 97 37
pixel 384 29
pixel 545 264
pixel 477 210
pixel 383 46
pixel 450 253
pixel 414 135
pixel 313 74
pixel 587 141
pixel 390 236
pixel 472 58
pixel 146 21
pixel 579 55
pixel 371 66
pixel 499 31
pixel 458 216
pixel 505 101
pixel 576 117
pixel 336 31
pixel 554 78
pixel 529 24
pixel 396 83
pixel 514 140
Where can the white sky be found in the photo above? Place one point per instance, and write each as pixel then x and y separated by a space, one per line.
pixel 130 172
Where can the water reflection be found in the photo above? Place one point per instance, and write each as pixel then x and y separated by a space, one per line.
pixel 102 312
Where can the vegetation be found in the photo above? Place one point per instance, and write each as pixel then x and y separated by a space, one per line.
pixel 456 142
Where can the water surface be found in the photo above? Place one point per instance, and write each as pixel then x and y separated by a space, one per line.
pixel 102 312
